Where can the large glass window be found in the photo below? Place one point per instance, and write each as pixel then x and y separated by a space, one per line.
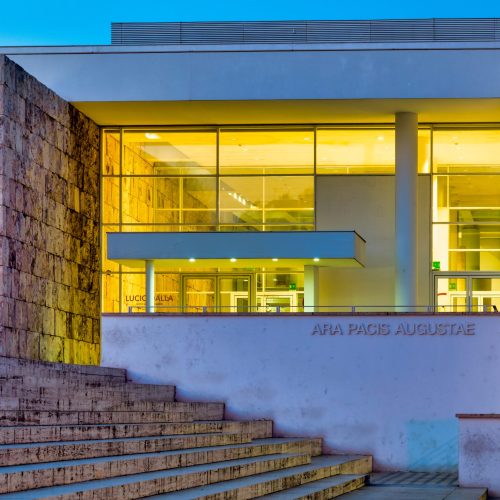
pixel 466 200
pixel 265 152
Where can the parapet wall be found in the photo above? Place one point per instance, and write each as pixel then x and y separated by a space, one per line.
pixel 49 224
pixel 385 385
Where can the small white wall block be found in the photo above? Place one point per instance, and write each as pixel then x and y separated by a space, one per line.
pixel 479 452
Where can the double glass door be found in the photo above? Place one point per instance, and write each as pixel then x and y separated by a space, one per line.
pixel 467 293
pixel 217 292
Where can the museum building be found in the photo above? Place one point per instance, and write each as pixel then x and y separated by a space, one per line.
pixel 310 166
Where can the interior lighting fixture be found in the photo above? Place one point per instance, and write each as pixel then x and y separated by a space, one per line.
pixel 192 259
pixel 380 138
pixel 275 259
pixel 316 259
pixel 152 136
pixel 232 259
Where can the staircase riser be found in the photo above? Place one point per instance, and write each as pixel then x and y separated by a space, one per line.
pixel 204 410
pixel 336 491
pixel 39 454
pixel 57 377
pixel 33 434
pixel 9 390
pixel 268 487
pixel 164 485
pixel 28 365
pixel 10 418
pixel 88 472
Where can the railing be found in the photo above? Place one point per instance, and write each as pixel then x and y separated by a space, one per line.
pixel 358 31
pixel 276 309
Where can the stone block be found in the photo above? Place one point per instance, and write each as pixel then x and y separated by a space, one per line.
pixel 51 348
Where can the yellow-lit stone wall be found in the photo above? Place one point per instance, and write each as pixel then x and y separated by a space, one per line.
pixel 49 224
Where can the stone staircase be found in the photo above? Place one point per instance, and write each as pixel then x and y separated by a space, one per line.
pixel 70 431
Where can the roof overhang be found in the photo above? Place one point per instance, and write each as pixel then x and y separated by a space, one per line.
pixel 239 250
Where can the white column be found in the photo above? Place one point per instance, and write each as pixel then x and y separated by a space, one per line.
pixel 150 286
pixel 311 288
pixel 406 209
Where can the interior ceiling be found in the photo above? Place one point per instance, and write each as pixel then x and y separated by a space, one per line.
pixel 288 112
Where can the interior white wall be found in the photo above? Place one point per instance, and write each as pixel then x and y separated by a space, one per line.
pixel 367 384
pixel 366 204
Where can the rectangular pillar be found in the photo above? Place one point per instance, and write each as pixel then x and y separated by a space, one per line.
pixel 311 288
pixel 150 286
pixel 406 210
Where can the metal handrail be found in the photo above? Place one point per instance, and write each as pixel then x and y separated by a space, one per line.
pixel 351 309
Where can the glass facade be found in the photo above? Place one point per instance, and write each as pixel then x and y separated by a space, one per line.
pixel 264 179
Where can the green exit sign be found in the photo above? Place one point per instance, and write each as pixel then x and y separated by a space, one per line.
pixel 452 285
pixel 436 265
pixel 292 286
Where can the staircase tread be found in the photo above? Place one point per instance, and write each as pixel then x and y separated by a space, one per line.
pixel 112 440
pixel 314 486
pixel 8 469
pixel 316 463
pixel 411 492
pixel 144 476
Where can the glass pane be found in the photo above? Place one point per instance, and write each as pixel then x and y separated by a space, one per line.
pixel 158 152
pixel 110 200
pixel 263 152
pixel 486 294
pixel 138 199
pixel 466 247
pixel 111 153
pixel 355 151
pixel 280 202
pixel 451 295
pixel 199 292
pixel 234 294
pixel 466 151
pixel 110 289
pixel 107 265
pixel 461 198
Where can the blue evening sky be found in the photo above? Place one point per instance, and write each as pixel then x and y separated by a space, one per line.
pixel 58 22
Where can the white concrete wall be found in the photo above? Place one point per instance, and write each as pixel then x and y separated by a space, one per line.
pixel 360 382
pixel 366 204
pixel 479 453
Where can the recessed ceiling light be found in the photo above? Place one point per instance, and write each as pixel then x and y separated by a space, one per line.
pixel 150 135
pixel 192 259
pixel 232 259
pixel 380 138
pixel 316 259
pixel 275 259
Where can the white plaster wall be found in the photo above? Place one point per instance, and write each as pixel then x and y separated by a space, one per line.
pixel 366 204
pixel 479 464
pixel 394 396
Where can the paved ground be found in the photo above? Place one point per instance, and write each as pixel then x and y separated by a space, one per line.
pixel 414 486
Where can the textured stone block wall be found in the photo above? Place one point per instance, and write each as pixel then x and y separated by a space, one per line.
pixel 49 224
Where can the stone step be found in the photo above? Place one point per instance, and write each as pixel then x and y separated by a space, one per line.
pixel 22 477
pixel 272 482
pixel 27 417
pixel 66 450
pixel 205 411
pixel 116 392
pixel 25 366
pixel 323 489
pixel 172 480
pixel 43 433
pixel 417 492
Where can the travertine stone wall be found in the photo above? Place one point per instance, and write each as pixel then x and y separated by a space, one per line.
pixel 49 224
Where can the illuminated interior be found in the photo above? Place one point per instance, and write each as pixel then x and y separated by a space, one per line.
pixel 263 179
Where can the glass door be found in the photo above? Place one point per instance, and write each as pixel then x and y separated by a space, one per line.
pixel 216 293
pixel 467 293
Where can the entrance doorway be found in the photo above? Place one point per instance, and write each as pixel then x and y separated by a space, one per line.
pixel 467 293
pixel 217 292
